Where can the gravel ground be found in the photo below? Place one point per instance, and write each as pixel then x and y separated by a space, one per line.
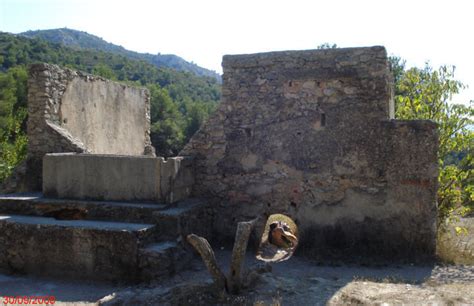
pixel 302 282
pixel 297 281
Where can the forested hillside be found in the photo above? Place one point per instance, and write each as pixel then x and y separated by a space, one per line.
pixel 82 40
pixel 180 101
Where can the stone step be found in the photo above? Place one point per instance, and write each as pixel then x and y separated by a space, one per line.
pixel 185 217
pixel 161 260
pixel 109 241
pixel 34 204
pixel 78 249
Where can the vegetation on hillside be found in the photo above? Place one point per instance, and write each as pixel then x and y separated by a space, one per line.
pixel 12 117
pixel 425 93
pixel 82 40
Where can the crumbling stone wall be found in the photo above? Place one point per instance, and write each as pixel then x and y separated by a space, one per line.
pixel 310 134
pixel 70 111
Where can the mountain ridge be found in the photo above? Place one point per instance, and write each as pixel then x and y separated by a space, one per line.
pixel 82 40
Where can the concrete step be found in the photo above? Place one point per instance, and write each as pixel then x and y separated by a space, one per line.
pixel 34 204
pixel 72 248
pixel 185 217
pixel 161 260
pixel 111 241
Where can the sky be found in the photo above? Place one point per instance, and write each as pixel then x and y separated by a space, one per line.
pixel 202 31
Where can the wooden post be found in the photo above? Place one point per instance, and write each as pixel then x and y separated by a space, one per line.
pixel 238 254
pixel 207 254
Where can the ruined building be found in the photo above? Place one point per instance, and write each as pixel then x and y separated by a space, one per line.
pixel 312 134
pixel 309 134
pixel 108 209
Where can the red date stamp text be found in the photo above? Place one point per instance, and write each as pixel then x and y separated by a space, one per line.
pixel 29 300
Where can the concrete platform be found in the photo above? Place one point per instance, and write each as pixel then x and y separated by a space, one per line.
pixel 166 217
pixel 80 224
pixel 103 177
pixel 117 178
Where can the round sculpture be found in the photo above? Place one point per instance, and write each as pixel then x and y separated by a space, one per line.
pixel 279 239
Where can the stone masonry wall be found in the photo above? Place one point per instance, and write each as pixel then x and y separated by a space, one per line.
pixel 310 134
pixel 70 111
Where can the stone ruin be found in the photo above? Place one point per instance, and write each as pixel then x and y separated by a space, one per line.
pixel 309 134
pixel 101 204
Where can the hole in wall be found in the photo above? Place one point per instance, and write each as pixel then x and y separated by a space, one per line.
pixel 293 204
pixel 290 83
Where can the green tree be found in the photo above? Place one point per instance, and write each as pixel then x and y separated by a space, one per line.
pixel 196 113
pixel 167 137
pixel 12 118
pixel 327 46
pixel 167 129
pixel 426 94
pixel 104 71
pixel 398 66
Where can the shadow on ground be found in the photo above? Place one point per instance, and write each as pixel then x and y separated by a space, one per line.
pixel 297 281
pixel 64 291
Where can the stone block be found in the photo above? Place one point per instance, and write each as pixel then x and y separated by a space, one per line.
pixel 117 177
pixel 102 177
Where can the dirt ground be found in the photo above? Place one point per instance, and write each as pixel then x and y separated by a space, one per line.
pixel 297 281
